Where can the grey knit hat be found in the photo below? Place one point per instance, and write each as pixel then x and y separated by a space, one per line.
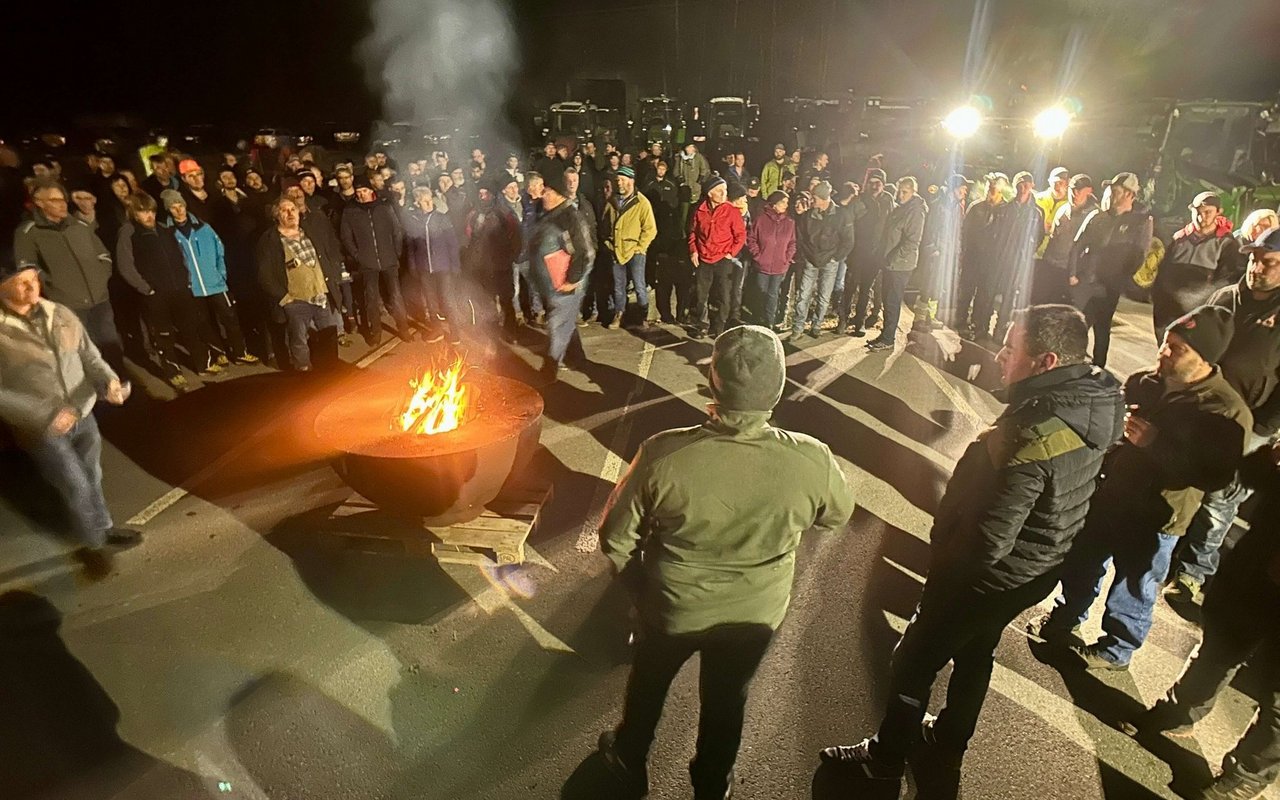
pixel 748 369
pixel 170 196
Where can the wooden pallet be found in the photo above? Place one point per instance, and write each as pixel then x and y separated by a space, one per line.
pixel 502 529
pixel 496 537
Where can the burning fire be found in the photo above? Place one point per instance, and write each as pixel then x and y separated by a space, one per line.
pixel 438 402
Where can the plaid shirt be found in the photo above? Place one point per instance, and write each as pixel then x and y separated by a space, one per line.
pixel 303 253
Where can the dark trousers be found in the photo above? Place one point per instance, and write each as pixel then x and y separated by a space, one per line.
pixel 224 322
pixel 1098 312
pixel 173 312
pixel 671 275
pixel 1049 284
pixel 730 656
pixel 72 465
pixel 380 285
pixel 1236 631
pixel 768 287
pixel 301 319
pixel 439 298
pixel 859 280
pixel 599 291
pixel 894 283
pixel 737 277
pixel 954 624
pixel 715 274
pixel 498 292
pixel 100 323
pixel 564 345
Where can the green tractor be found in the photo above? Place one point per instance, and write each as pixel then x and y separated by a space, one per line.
pixel 1227 147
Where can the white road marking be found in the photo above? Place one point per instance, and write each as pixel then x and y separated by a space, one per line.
pixel 952 393
pixel 589 533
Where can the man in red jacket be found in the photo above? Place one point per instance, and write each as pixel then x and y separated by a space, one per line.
pixel 717 232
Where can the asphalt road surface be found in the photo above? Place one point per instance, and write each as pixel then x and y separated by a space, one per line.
pixel 233 656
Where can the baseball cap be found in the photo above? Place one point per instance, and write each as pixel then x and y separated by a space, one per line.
pixel 958 180
pixel 1023 176
pixel 754 183
pixel 1268 242
pixel 1205 199
pixel 1081 181
pixel 188 165
pixel 1059 172
pixel 1125 180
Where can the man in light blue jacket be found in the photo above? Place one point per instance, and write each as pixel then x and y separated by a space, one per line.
pixel 206 261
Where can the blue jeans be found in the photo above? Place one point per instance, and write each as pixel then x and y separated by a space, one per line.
pixel 838 289
pixel 814 279
pixel 1199 554
pixel 562 324
pixel 301 318
pixel 768 286
pixel 1141 562
pixel 72 465
pixel 530 298
pixel 633 268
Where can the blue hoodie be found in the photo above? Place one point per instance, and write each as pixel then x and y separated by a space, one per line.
pixel 206 261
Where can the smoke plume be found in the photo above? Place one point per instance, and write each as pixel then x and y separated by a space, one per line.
pixel 453 59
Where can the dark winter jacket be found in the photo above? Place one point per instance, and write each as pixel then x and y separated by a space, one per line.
pixel 432 242
pixel 772 242
pixel 824 236
pixel 985 236
pixel 1109 248
pixel 272 275
pixel 493 239
pixel 1252 361
pixel 1020 493
pixel 1198 445
pixel 903 231
pixel 75 262
pixel 372 236
pixel 664 197
pixel 1025 235
pixel 1186 275
pixel 1062 236
pixel 869 214
pixel 564 232
pixel 151 260
pixel 940 246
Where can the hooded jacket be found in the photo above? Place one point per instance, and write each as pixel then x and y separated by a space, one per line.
pixel 1021 491
pixel 206 260
pixel 716 232
pixel 1252 361
pixel 75 262
pixel 372 235
pixel 1199 444
pixel 772 242
pixel 903 231
pixel 431 242
pixel 689 522
pixel 1186 274
pixel 824 236
pixel 43 372
pixel 632 227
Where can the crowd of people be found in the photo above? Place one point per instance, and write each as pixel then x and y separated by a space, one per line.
pixel 1077 473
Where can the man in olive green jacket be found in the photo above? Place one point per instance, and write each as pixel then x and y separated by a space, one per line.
pixel 706 522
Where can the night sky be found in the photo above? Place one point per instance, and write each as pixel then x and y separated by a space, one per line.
pixel 260 62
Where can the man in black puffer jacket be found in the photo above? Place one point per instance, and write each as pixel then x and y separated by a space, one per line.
pixel 372 236
pixel 1017 499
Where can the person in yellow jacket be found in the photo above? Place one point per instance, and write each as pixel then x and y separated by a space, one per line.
pixel 630 229
pixel 1052 199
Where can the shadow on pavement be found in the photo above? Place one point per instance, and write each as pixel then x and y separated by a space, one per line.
pixel 592 780
pixel 58 725
pixel 833 782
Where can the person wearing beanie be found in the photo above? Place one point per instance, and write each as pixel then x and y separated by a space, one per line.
pixel 629 228
pixel 824 236
pixel 1184 435
pixel 1006 520
pixel 53 377
pixel 372 236
pixel 716 234
pixel 719 554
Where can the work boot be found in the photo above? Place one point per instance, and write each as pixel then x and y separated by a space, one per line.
pixel 1042 627
pixel 179 382
pixel 1184 591
pixel 615 323
pixel 861 757
pixel 936 765
pixel 222 360
pixel 714 794
pixel 123 538
pixel 1091 658
pixel 247 358
pixel 1232 785
pixel 634 776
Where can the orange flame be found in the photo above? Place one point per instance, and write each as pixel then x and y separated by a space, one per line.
pixel 438 403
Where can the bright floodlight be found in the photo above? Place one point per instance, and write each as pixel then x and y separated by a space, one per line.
pixel 963 122
pixel 1052 122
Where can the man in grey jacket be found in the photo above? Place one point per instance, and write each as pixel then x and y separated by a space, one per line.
pixel 51 374
pixel 903 230
pixel 75 263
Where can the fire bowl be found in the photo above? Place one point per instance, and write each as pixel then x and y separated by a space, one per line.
pixel 443 478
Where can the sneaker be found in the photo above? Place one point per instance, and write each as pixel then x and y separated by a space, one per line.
pixel 615 324
pixel 123 538
pixel 702 794
pixel 372 338
pixel 539 320
pixel 633 777
pixel 212 369
pixel 1091 658
pixel 1184 591
pixel 879 344
pixel 1164 718
pixel 1042 627
pixel 179 382
pixel 248 358
pixel 861 757
pixel 815 331
pixel 1231 785
pixel 668 319
pixel 222 360
pixel 698 333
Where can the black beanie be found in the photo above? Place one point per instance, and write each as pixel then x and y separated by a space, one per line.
pixel 1207 330
pixel 736 190
pixel 748 369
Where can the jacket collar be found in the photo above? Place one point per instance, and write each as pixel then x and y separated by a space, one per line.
pixel 1045 383
pixel 738 421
